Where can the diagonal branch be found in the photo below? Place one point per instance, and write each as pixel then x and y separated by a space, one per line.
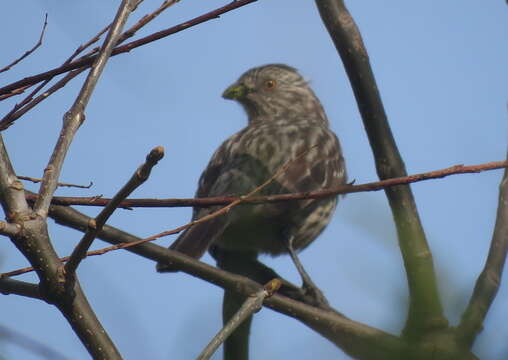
pixel 27 53
pixel 356 337
pixel 11 286
pixel 9 229
pixel 95 226
pixel 29 102
pixel 489 280
pixel 76 116
pixel 86 62
pixel 425 310
pixel 252 304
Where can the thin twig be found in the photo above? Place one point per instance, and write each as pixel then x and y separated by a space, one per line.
pixel 251 305
pixel 27 53
pixel 95 226
pixel 86 62
pixel 224 200
pixel 29 103
pixel 38 180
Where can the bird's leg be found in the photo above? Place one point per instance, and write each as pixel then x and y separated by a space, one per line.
pixel 308 285
pixel 246 264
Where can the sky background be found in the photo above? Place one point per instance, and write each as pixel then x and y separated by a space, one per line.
pixel 441 67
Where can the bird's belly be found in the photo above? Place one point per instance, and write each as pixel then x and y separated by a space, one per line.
pixel 265 228
pixel 254 229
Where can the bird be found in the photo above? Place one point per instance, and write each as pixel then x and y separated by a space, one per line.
pixel 288 145
pixel 287 126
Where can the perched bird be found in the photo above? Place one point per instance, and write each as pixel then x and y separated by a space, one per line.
pixel 287 130
pixel 286 125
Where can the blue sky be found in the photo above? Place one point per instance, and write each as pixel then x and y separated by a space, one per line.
pixel 441 70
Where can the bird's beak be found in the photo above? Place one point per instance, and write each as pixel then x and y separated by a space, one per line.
pixel 235 91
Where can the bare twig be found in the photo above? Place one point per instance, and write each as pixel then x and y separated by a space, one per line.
pixel 38 180
pixel 138 178
pixel 489 280
pixel 344 189
pixel 252 304
pixel 86 62
pixel 76 116
pixel 27 53
pixel 29 102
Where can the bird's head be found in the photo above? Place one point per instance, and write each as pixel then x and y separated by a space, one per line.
pixel 275 91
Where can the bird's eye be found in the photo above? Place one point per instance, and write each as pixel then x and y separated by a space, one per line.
pixel 271 84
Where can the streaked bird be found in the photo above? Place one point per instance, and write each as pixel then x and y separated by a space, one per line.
pixel 286 125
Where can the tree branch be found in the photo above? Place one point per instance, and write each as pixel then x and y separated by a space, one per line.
pixel 425 310
pixel 95 226
pixel 219 212
pixel 9 229
pixel 336 328
pixel 252 304
pixel 34 241
pixel 11 286
pixel 489 280
pixel 76 116
pixel 345 189
pixel 28 103
pixel 27 53
pixel 38 180
pixel 86 62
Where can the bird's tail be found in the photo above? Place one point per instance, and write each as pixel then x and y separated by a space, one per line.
pixel 195 241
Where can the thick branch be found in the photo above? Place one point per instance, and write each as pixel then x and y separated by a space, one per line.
pixel 9 229
pixel 358 338
pixel 489 280
pixel 11 286
pixel 425 310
